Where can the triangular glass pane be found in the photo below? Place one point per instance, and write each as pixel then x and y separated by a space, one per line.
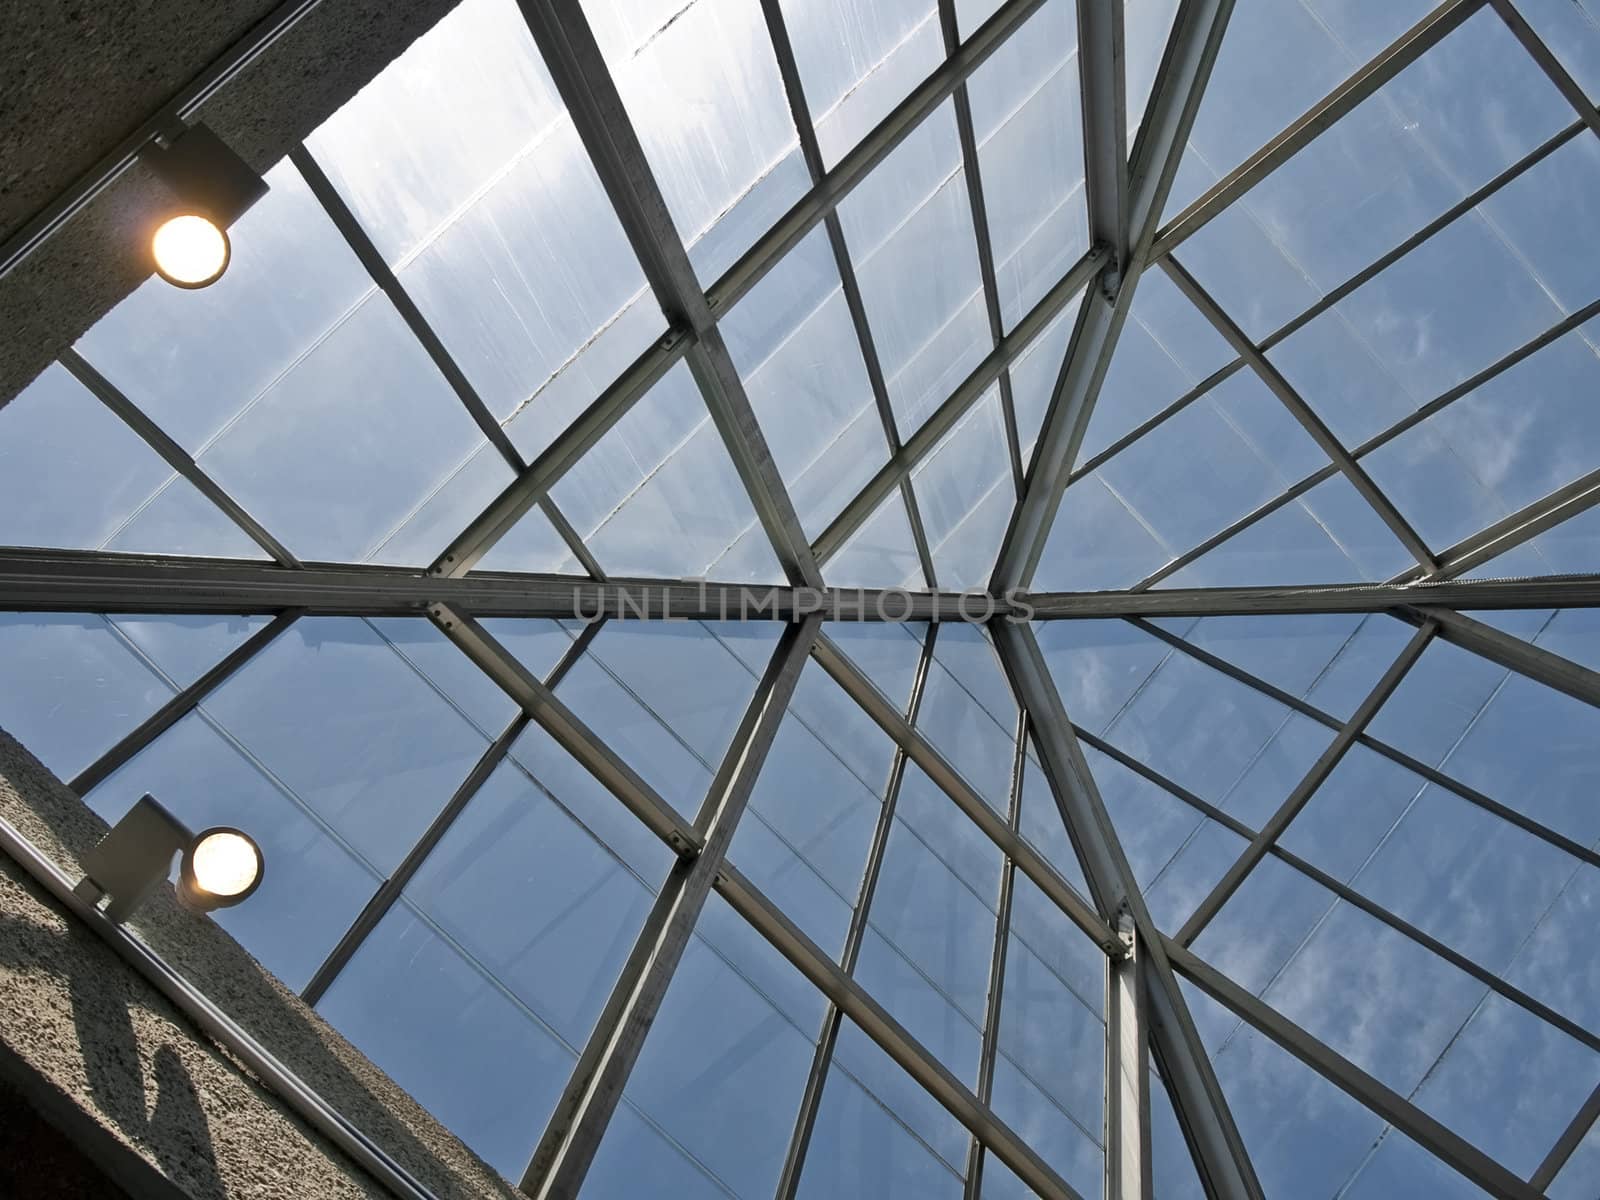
pixel 464 170
pixel 881 554
pixel 1328 535
pixel 886 652
pixel 1570 32
pixel 1377 175
pixel 1034 374
pixel 73 476
pixel 658 496
pixel 965 492
pixel 532 544
pixel 1026 123
pixel 1147 24
pixel 971 721
pixel 795 346
pixel 1163 352
pixel 1171 1165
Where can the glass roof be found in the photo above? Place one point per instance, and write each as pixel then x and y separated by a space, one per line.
pixel 1251 349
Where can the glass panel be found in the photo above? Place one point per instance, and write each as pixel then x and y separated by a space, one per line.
pixel 1098 543
pixel 796 349
pixel 658 495
pixel 909 226
pixel 1476 290
pixel 72 475
pixel 863 1148
pixel 496 225
pixel 539 644
pixel 1328 535
pixel 1511 738
pixel 1146 27
pixel 1164 350
pixel 880 554
pixel 1520 436
pixel 1450 122
pixel 963 726
pixel 1276 61
pixel 1578 1176
pixel 1034 374
pixel 1029 133
pixel 965 493
pixel 710 58
pixel 184 648
pixel 720 1073
pixel 73 687
pixel 1402 1168
pixel 887 652
pixel 1572 32
pixel 352 730
pixel 493 1081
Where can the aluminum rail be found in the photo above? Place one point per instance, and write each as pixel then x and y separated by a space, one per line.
pixel 301 1099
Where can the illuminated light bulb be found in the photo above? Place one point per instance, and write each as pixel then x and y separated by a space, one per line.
pixel 221 867
pixel 190 251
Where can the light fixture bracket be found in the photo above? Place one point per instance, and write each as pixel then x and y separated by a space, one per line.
pixel 205 175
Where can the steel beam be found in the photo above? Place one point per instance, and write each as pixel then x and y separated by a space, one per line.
pixel 1528 522
pixel 94 581
pixel 1454 1151
pixel 1301 412
pixel 174 455
pixel 1127 1091
pixel 45 223
pixel 1521 656
pixel 1313 779
pixel 180 706
pixel 1186 66
pixel 1557 591
pixel 581 1116
pixel 1103 84
pixel 1567 1143
pixel 576 64
pixel 1202 1109
pixel 933 764
pixel 1388 63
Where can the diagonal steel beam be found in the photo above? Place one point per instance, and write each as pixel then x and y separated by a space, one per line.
pixel 1202 1109
pixel 1570 500
pixel 581 1116
pixel 174 455
pixel 1102 80
pixel 1388 63
pixel 1517 655
pixel 1185 68
pixel 1569 87
pixel 1302 412
pixel 576 64
pixel 1450 1148
pixel 1313 779
pixel 1567 1143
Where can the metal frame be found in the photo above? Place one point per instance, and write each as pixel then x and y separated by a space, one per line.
pixel 1146 1012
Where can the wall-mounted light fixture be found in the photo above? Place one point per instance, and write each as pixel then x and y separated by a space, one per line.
pixel 211 187
pixel 221 865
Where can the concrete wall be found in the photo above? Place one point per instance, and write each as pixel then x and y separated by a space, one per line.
pixel 118 1069
pixel 77 76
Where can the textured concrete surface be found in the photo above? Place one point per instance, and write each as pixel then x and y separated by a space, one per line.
pixel 82 1032
pixel 77 76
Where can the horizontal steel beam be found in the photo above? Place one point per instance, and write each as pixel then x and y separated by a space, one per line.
pixel 1553 591
pixel 93 581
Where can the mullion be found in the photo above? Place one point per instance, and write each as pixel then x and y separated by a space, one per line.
pixel 174 455
pixel 811 151
pixel 997 956
pixel 985 243
pixel 855 935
